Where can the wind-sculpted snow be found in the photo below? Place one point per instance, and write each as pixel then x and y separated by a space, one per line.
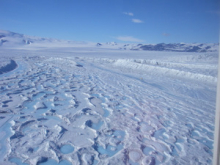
pixel 91 110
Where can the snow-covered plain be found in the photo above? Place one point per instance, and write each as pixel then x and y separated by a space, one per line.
pixel 90 105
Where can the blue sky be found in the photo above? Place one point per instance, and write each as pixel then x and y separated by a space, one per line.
pixel 137 21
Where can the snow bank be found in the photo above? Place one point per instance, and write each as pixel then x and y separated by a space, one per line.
pixel 156 68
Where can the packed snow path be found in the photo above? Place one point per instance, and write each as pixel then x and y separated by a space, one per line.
pixel 83 110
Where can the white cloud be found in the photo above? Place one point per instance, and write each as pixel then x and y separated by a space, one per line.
pixel 128 13
pixel 129 39
pixel 137 21
pixel 133 20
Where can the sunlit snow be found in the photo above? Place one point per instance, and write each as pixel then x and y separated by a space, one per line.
pixel 105 106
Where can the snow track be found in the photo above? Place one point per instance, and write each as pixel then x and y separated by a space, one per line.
pixel 83 110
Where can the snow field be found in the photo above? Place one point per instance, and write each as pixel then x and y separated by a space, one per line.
pixel 83 110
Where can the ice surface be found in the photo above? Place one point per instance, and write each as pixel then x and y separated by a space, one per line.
pixel 17 161
pixel 53 162
pixel 66 149
pixel 105 106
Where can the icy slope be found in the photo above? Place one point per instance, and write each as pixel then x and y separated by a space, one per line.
pixel 107 107
pixel 19 41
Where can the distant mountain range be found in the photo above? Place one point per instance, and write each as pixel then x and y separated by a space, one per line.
pixel 15 40
pixel 177 47
pixel 8 38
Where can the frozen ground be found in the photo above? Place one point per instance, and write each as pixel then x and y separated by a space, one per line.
pixel 96 106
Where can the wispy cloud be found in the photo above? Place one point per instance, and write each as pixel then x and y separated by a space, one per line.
pixel 133 20
pixel 166 34
pixel 128 13
pixel 137 21
pixel 129 39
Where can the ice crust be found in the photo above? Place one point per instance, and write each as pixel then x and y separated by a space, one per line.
pixel 107 107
